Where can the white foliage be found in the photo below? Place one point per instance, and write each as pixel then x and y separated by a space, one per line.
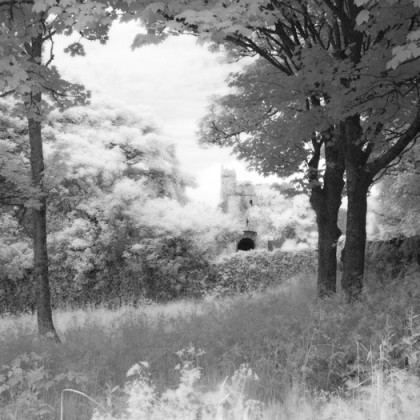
pixel 84 154
pixel 188 401
pixel 127 190
pixel 103 145
pixel 199 221
pixel 16 255
pixel 273 213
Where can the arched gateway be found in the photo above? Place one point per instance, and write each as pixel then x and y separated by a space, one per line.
pixel 245 244
pixel 248 241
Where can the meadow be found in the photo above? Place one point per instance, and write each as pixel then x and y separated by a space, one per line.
pixel 277 354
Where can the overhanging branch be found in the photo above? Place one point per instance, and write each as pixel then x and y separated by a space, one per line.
pixel 382 161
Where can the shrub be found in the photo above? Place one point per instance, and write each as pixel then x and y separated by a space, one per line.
pixel 388 259
pixel 171 267
pixel 28 387
pixel 187 401
pixel 257 270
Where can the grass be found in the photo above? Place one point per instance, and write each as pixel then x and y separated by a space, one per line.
pixel 329 360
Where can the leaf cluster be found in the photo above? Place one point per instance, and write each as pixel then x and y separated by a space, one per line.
pixel 27 385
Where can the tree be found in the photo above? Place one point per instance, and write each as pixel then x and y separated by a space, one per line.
pixel 277 32
pixel 106 163
pixel 119 225
pixel 340 53
pixel 28 28
pixel 381 113
pixel 266 123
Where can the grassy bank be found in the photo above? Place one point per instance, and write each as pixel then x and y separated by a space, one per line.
pixel 312 360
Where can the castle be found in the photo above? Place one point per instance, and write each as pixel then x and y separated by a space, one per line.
pixel 237 199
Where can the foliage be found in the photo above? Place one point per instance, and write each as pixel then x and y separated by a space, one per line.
pixel 319 359
pixel 171 267
pixel 298 39
pixel 28 29
pixel 408 48
pixel 27 385
pixel 333 68
pixel 277 216
pixel 209 229
pixel 392 258
pixel 25 22
pixel 388 396
pixel 186 401
pixel 394 204
pixel 258 121
pixel 14 171
pixel 120 162
pixel 118 218
pixel 16 258
pixel 249 271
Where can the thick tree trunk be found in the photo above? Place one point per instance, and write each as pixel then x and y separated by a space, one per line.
pixel 39 211
pixel 328 235
pixel 358 182
pixel 360 174
pixel 354 253
pixel 326 203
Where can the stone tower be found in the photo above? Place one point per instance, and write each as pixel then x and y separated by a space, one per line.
pixel 227 187
pixel 237 199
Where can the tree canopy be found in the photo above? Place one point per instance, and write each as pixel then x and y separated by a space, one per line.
pixel 354 63
pixel 117 211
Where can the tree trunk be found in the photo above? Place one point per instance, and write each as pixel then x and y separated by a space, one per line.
pixel 326 203
pixel 360 174
pixel 358 182
pixel 328 235
pixel 39 212
pixel 39 220
pixel 354 252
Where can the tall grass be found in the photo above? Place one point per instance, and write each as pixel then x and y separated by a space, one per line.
pixel 313 360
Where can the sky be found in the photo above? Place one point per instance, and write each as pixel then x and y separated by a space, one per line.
pixel 174 81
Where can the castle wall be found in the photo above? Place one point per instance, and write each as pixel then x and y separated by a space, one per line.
pixel 237 199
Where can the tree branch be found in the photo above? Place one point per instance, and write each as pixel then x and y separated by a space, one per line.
pixel 386 158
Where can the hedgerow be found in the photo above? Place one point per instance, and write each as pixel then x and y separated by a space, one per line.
pixel 257 270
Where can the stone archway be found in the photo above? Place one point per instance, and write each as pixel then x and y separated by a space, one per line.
pixel 245 244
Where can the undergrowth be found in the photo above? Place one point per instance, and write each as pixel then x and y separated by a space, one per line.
pixel 313 360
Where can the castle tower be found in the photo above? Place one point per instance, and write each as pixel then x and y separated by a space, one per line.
pixel 237 200
pixel 227 188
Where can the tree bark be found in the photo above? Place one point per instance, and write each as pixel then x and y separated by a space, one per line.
pixel 328 235
pixel 358 183
pixel 360 176
pixel 39 220
pixel 354 251
pixel 39 212
pixel 326 202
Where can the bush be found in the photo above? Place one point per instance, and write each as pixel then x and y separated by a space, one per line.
pixel 257 270
pixel 171 268
pixel 392 258
pixel 28 386
pixel 187 401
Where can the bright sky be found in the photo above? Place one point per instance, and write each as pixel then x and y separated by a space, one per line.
pixel 174 80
